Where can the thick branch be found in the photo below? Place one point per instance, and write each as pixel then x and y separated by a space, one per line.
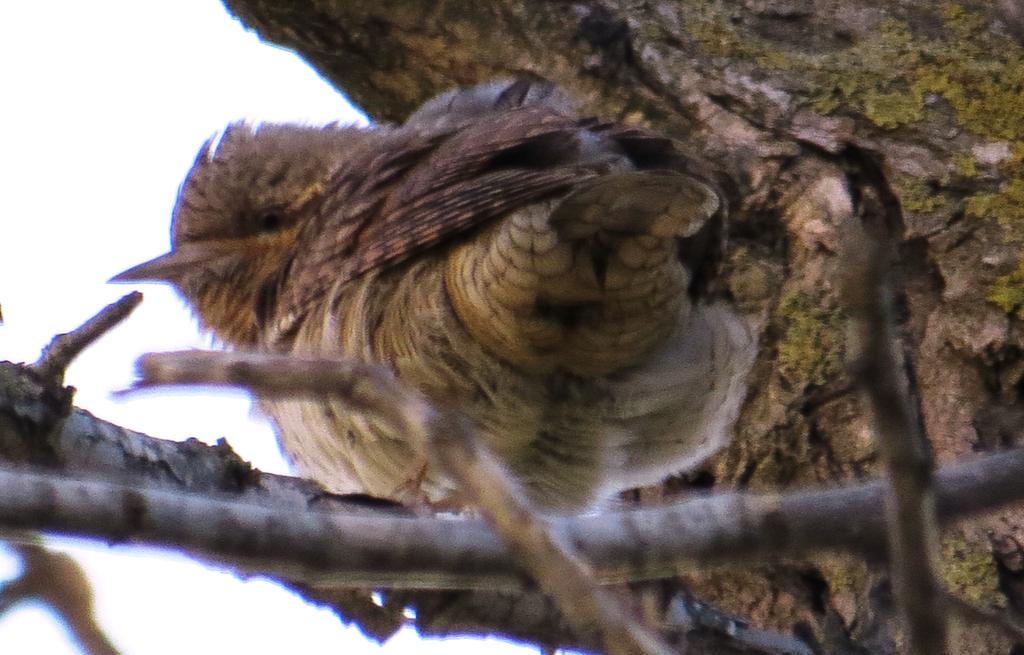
pixel 361 550
pixel 35 418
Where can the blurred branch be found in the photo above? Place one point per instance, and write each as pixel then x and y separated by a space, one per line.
pixel 367 387
pixel 58 581
pixel 904 448
pixel 552 561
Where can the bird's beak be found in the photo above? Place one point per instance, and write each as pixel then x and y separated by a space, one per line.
pixel 185 259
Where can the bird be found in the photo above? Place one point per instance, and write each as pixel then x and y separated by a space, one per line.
pixel 502 255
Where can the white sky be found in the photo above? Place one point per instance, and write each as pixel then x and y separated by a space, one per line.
pixel 104 107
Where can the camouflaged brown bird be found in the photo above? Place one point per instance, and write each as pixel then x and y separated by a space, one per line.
pixel 503 256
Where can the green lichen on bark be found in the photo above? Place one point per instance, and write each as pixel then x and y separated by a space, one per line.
pixel 981 77
pixel 929 66
pixel 965 164
pixel 978 72
pixel 893 77
pixel 969 571
pixel 870 77
pixel 1006 205
pixel 1007 292
pixel 810 351
pixel 916 195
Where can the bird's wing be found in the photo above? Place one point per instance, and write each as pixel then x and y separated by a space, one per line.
pixel 413 190
pixel 417 188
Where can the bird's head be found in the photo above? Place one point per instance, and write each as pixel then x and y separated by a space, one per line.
pixel 237 217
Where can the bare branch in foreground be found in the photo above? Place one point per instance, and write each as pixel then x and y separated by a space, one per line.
pixel 63 349
pixel 418 553
pixel 367 387
pixel 551 562
pixel 910 506
pixel 57 580
pixel 658 541
pixel 258 534
pixel 76 443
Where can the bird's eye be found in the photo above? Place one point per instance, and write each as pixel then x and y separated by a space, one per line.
pixel 269 222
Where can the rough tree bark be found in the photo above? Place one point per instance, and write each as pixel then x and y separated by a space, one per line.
pixel 906 116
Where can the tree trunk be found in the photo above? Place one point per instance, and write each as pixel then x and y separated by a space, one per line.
pixel 905 117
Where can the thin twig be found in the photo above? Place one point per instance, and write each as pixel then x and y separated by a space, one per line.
pixel 910 506
pixel 63 349
pixel 365 387
pixel 552 562
pixel 556 566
